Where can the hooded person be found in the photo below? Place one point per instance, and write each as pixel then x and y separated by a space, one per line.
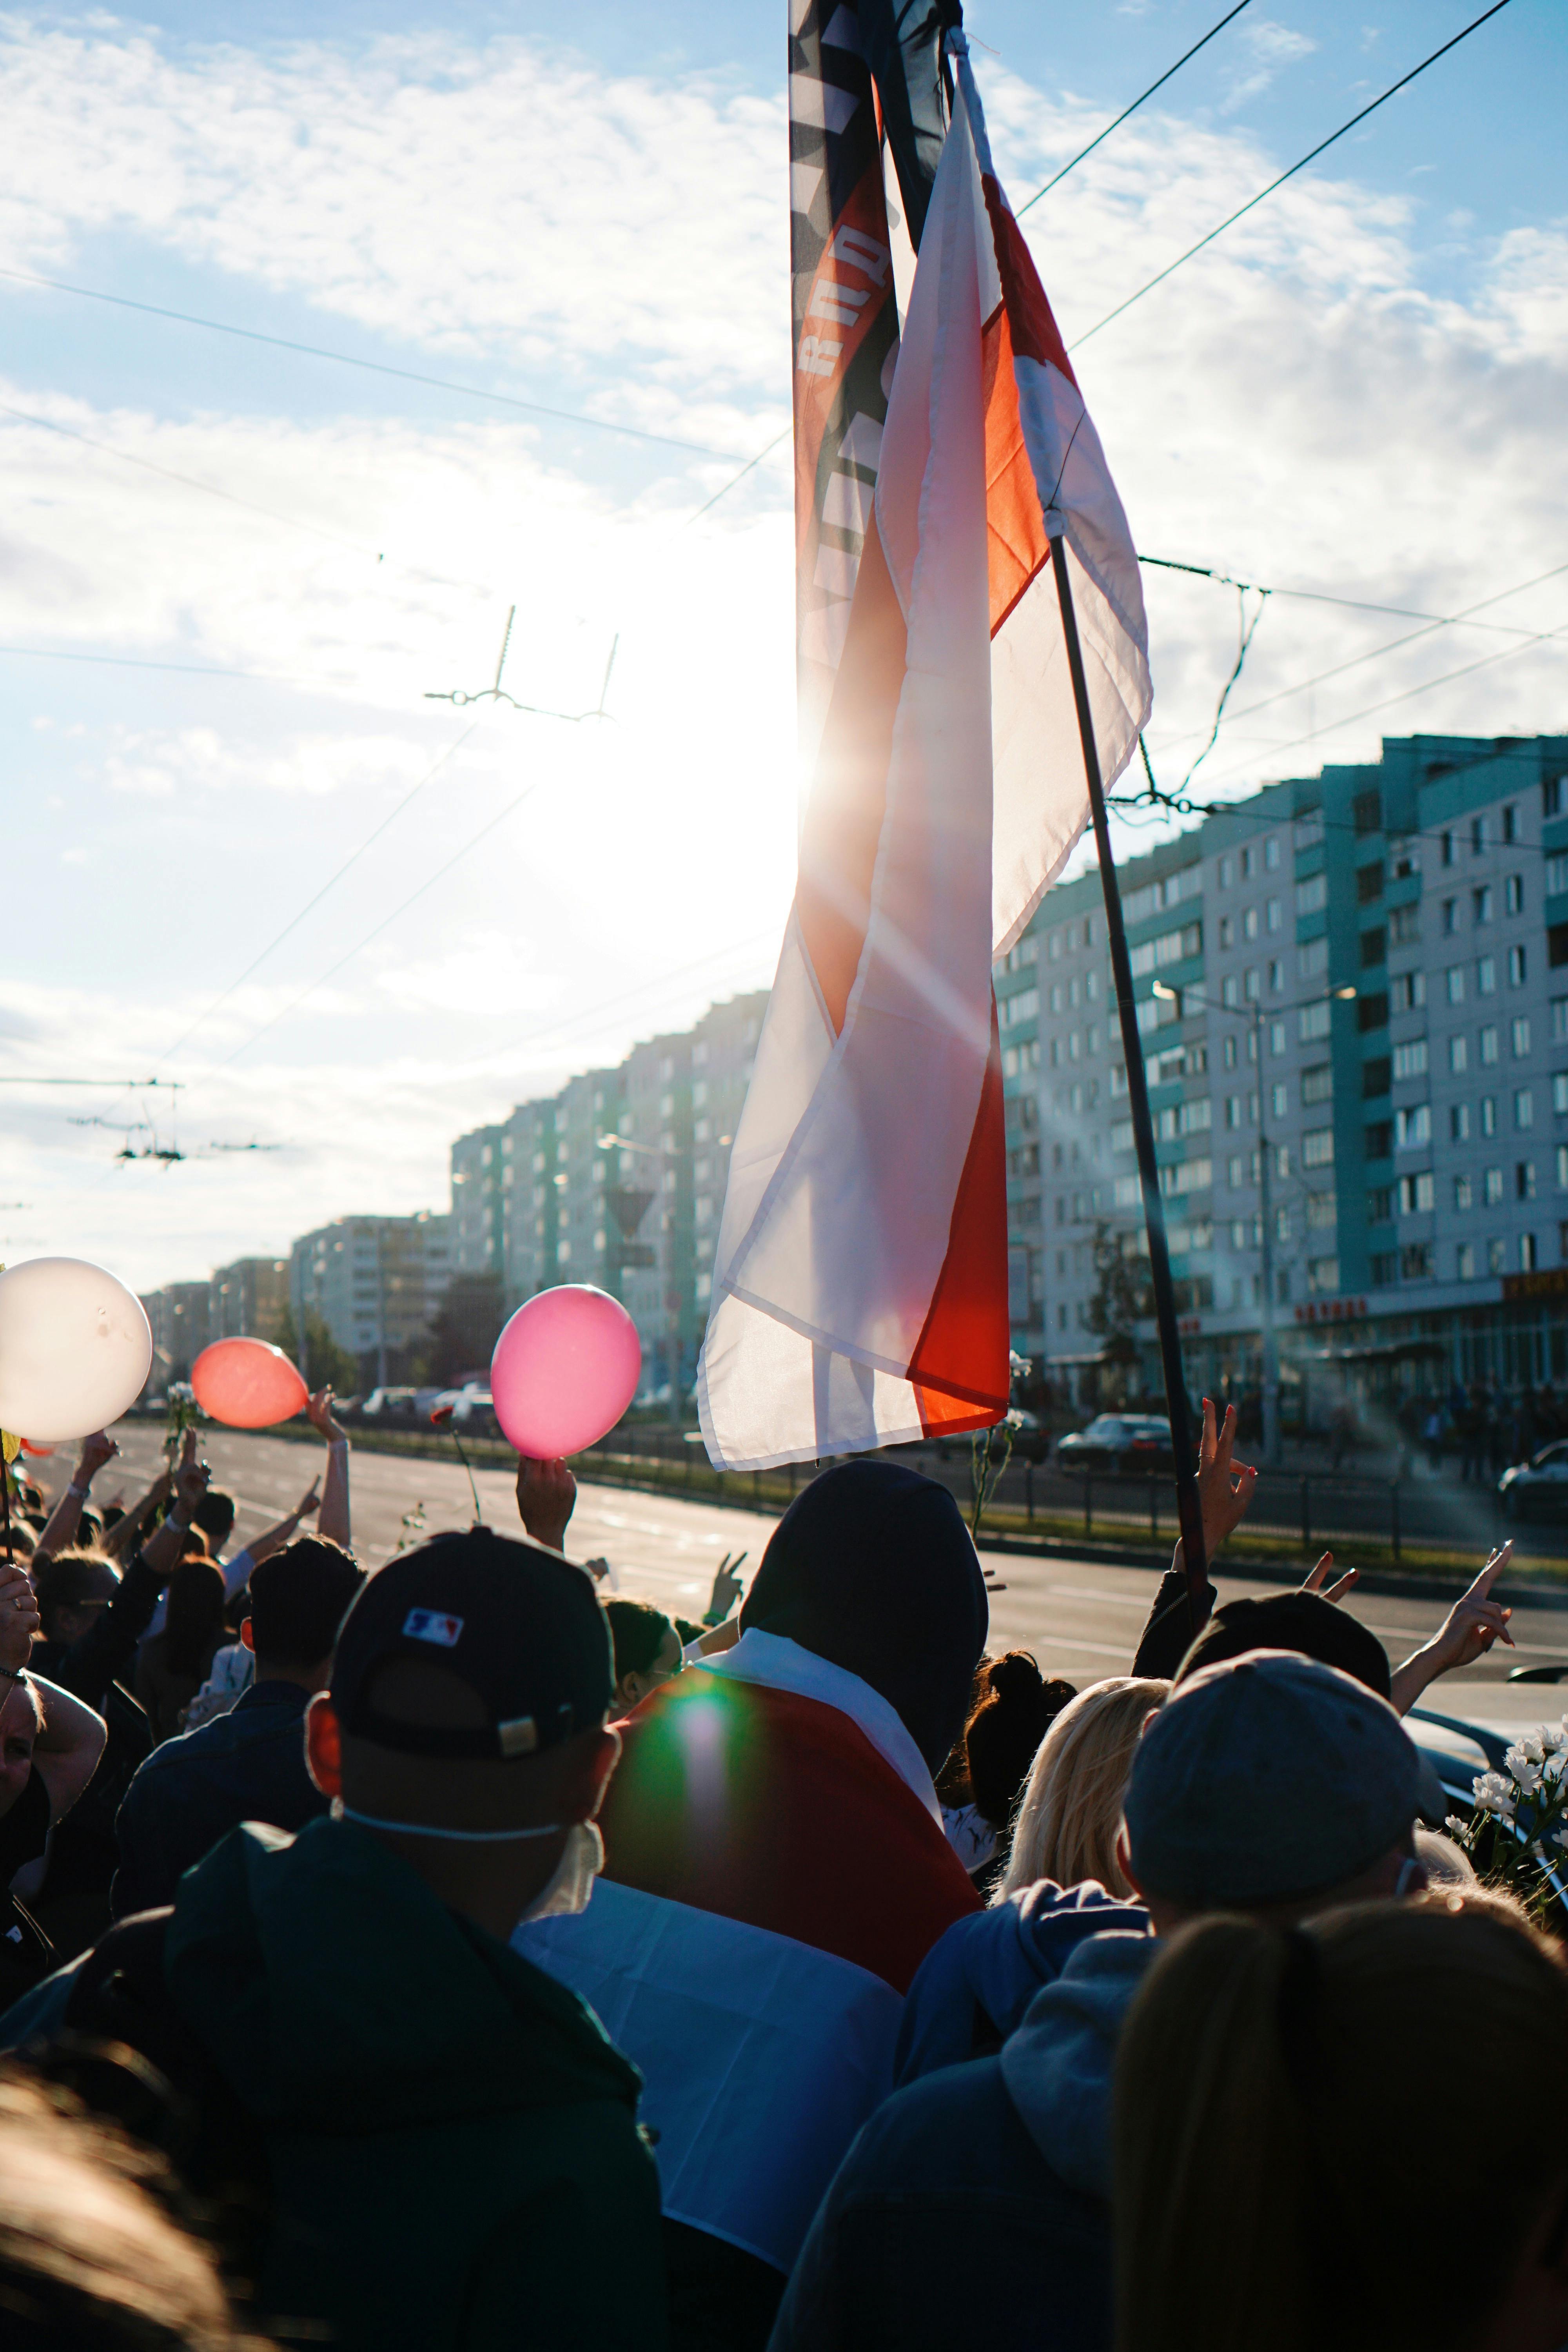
pixel 1268 1784
pixel 775 1870
pixel 436 2145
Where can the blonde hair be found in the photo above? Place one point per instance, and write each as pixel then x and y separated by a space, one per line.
pixel 1070 1811
pixel 1292 2107
pixel 87 2247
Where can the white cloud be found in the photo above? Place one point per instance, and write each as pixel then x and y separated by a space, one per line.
pixel 1298 406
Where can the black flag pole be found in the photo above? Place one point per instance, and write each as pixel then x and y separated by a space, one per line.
pixel 1188 1508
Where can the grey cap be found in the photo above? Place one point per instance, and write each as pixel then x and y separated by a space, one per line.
pixel 1265 1778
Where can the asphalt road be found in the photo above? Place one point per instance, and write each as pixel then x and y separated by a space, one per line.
pixel 1079 1618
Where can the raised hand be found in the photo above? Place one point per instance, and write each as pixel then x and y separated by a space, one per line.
pixel 96 1451
pixel 319 1414
pixel 191 1479
pixel 546 1498
pixel 18 1618
pixel 1225 1487
pixel 726 1589
pixel 1318 1580
pixel 1474 1622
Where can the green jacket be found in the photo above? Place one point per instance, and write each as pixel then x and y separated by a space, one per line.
pixel 452 2136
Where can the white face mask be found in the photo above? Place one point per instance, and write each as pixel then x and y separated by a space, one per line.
pixel 573 1880
pixel 570 1882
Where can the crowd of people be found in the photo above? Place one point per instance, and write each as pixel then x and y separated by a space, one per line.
pixel 453 1952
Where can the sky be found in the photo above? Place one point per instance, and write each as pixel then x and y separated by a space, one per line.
pixel 236 579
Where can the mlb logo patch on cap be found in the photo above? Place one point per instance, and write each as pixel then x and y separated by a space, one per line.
pixel 430 1625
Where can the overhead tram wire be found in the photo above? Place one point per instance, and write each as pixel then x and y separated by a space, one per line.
pixel 1321 148
pixel 1127 110
pixel 372 367
pixel 331 884
pixel 332 971
pixel 1434 622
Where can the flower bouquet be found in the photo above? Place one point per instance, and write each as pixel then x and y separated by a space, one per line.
pixel 1517 1835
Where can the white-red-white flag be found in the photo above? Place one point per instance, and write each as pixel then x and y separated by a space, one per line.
pixel 861 1282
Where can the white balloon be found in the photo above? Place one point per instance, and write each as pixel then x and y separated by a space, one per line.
pixel 75 1348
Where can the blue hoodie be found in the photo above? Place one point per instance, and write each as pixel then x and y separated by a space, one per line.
pixel 974 1986
pixel 977 2203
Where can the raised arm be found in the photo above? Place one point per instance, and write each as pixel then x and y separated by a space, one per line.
pixel 161 1553
pixel 1226 1490
pixel 65 1516
pixel 1474 1622
pixel 333 1518
pixel 546 1498
pixel 262 1547
pixel 124 1537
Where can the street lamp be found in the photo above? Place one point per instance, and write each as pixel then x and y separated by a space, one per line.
pixel 1253 1011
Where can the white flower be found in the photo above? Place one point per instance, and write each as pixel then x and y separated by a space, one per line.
pixel 1559 1835
pixel 1494 1794
pixel 1525 1767
pixel 1456 1827
pixel 1556 1764
pixel 1535 1743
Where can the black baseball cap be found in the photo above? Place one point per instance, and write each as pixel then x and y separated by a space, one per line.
pixel 516 1622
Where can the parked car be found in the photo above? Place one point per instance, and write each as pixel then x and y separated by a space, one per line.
pixel 474 1411
pixel 1536 1489
pixel 1119 1446
pixel 389 1404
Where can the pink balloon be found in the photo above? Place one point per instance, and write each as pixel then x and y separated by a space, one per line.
pixel 248 1383
pixel 565 1371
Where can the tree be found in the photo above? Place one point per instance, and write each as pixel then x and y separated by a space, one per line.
pixel 1121 1299
pixel 466 1328
pixel 320 1359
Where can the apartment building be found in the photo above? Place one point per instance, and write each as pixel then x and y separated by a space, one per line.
pixel 181 1319
pixel 1363 976
pixel 617 1181
pixel 376 1283
pixel 249 1299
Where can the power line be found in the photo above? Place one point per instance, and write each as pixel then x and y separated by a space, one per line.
pixel 1347 604
pixel 293 924
pixel 330 973
pixel 749 467
pixel 372 367
pixel 1126 111
pixel 1443 621
pixel 1321 148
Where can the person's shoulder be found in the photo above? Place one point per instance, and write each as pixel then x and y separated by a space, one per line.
pixel 956 2130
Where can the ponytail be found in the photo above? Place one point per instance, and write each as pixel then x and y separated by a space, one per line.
pixel 1292 2110
pixel 1208 2156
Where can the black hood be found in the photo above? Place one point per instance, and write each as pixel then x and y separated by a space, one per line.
pixel 872 1568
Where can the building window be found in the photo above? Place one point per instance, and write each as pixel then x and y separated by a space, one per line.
pixel 1459 1122
pixel 1492 1187
pixel 1415 1262
pixel 1323 1276
pixel 1418 1195
pixel 1514 894
pixel 1497 1258
pixel 1527 1252
pixel 1524 1179
pixel 1366 812
pixel 1368 883
pixel 1412 1128
pixel 1313 1021
pixel 1385 1269
pixel 1516 967
pixel 1313 895
pixel 1250 924
pixel 1488 1047
pixel 1464 1262
pixel 1477 835
pixel 1408 992
pixel 1524 1108
pixel 1318 1146
pixel 1563 1168
pixel 1509 826
pixel 1482 903
pixel 1226 872
pixel 1316 1085
pixel 1313 958
pixel 1273 914
pixel 1551 795
pixel 1405 927
pixel 1464 1197
pixel 1455 978
pixel 1410 1060
pixel 1489 1114
pixel 1560 1091
pixel 1230 990
pixel 1278 1102
pixel 1450 917
pixel 1459 1055
pixel 1520 1037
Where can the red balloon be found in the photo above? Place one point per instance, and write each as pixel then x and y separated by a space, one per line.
pixel 248 1383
